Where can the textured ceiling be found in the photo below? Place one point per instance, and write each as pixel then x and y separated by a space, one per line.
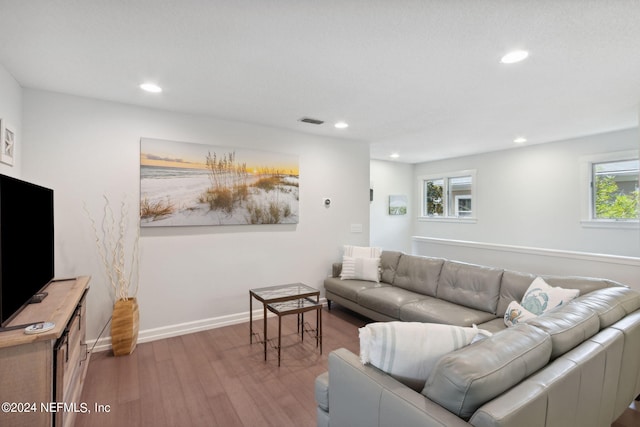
pixel 421 78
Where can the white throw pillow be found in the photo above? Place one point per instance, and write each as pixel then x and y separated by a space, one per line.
pixel 360 269
pixel 540 297
pixel 362 251
pixel 408 351
pixel 516 313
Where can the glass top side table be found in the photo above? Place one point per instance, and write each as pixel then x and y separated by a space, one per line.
pixel 299 307
pixel 274 294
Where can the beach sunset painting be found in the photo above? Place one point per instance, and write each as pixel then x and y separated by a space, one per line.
pixel 186 184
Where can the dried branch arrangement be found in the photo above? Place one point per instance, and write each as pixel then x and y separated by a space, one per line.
pixel 111 242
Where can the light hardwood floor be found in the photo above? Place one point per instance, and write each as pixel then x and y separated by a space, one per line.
pixel 216 378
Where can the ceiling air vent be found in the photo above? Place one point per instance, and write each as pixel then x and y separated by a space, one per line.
pixel 312 121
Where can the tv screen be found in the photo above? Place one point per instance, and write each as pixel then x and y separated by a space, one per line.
pixel 26 243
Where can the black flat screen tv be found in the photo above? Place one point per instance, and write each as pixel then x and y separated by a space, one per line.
pixel 26 244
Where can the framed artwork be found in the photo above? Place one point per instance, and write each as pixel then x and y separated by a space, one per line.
pixel 397 205
pixel 186 184
pixel 8 143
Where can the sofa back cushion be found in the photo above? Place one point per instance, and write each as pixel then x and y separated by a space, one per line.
pixel 470 285
pixel 418 274
pixel 512 288
pixel 610 304
pixel 389 265
pixel 583 284
pixel 568 325
pixel 465 379
pixel 515 284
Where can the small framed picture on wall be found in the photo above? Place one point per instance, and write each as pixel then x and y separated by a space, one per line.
pixel 8 142
pixel 398 205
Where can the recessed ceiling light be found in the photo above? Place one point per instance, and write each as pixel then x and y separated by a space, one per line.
pixel 520 140
pixel 150 87
pixel 515 56
pixel 394 155
pixel 341 125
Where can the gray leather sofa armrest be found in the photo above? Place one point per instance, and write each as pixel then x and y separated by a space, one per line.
pixel 322 391
pixel 362 395
pixel 322 399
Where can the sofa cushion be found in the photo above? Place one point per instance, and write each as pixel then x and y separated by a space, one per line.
pixel 512 288
pixel 439 311
pixel 465 379
pixel 349 289
pixel 418 274
pixel 408 350
pixel 470 285
pixel 515 284
pixel 387 300
pixel 493 326
pixel 336 269
pixel 360 269
pixel 389 264
pixel 583 284
pixel 610 304
pixel 568 326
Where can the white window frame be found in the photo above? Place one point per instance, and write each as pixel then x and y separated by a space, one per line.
pixel 586 192
pixel 457 204
pixel 446 196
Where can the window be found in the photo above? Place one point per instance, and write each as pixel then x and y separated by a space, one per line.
pixel 460 195
pixel 609 190
pixel 435 201
pixel 448 196
pixel 614 190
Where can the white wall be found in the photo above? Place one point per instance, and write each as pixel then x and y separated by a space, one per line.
pixel 391 232
pixel 190 276
pixel 531 197
pixel 534 260
pixel 11 112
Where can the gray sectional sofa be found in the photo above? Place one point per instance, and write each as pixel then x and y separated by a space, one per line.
pixel 576 365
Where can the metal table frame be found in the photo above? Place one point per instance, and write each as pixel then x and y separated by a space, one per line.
pixel 274 294
pixel 298 307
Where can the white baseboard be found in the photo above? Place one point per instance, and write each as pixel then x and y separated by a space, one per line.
pixel 154 334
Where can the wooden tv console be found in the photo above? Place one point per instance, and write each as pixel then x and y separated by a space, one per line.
pixel 42 374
